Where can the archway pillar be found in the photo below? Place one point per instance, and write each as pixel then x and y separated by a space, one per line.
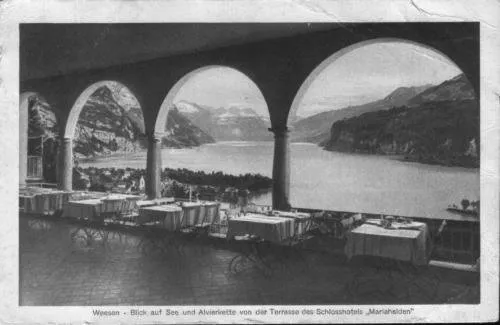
pixel 281 169
pixel 66 164
pixel 153 167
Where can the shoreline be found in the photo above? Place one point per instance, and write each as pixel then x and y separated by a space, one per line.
pixel 404 158
pixel 398 157
pixel 138 156
pixel 174 180
pixel 264 193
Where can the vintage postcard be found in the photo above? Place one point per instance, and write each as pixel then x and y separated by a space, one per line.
pixel 251 162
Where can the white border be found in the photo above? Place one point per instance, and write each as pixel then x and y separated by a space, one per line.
pixel 15 11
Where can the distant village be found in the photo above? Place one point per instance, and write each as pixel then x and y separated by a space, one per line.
pixel 180 183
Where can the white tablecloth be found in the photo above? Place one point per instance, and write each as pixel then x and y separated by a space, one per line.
pixel 150 203
pixel 302 220
pixel 43 201
pixel 84 209
pixel 169 216
pixel 399 243
pixel 211 212
pixel 97 209
pixel 192 214
pixel 119 203
pixel 85 195
pixel 273 229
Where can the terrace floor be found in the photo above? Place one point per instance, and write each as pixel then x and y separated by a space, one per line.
pixel 56 269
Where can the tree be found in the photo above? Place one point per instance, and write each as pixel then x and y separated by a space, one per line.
pixel 475 205
pixel 465 204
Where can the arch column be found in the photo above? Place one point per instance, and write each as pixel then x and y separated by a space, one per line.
pixel 66 164
pixel 281 169
pixel 153 167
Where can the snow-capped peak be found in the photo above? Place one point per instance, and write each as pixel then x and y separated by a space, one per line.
pixel 242 111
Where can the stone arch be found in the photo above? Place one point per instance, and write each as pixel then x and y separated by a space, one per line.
pixel 76 109
pixel 332 58
pixel 66 179
pixel 172 93
pixel 154 164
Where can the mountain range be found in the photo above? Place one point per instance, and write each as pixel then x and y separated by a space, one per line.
pixel 234 123
pixel 106 126
pixel 182 132
pixel 316 128
pixel 111 123
pixel 440 125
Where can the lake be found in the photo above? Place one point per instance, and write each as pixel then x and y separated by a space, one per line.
pixel 330 180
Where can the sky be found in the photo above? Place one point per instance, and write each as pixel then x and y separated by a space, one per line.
pixel 362 75
pixel 223 87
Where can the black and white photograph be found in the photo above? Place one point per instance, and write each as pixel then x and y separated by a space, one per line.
pixel 252 171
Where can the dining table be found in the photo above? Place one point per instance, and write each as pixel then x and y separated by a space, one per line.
pixel 302 220
pixel 42 200
pixel 119 203
pixel 99 208
pixel 210 212
pixel 153 202
pixel 192 214
pixel 402 241
pixel 86 195
pixel 270 228
pixel 166 216
pixel 90 209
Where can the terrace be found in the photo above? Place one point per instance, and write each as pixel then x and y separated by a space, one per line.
pixel 73 251
pixel 126 259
